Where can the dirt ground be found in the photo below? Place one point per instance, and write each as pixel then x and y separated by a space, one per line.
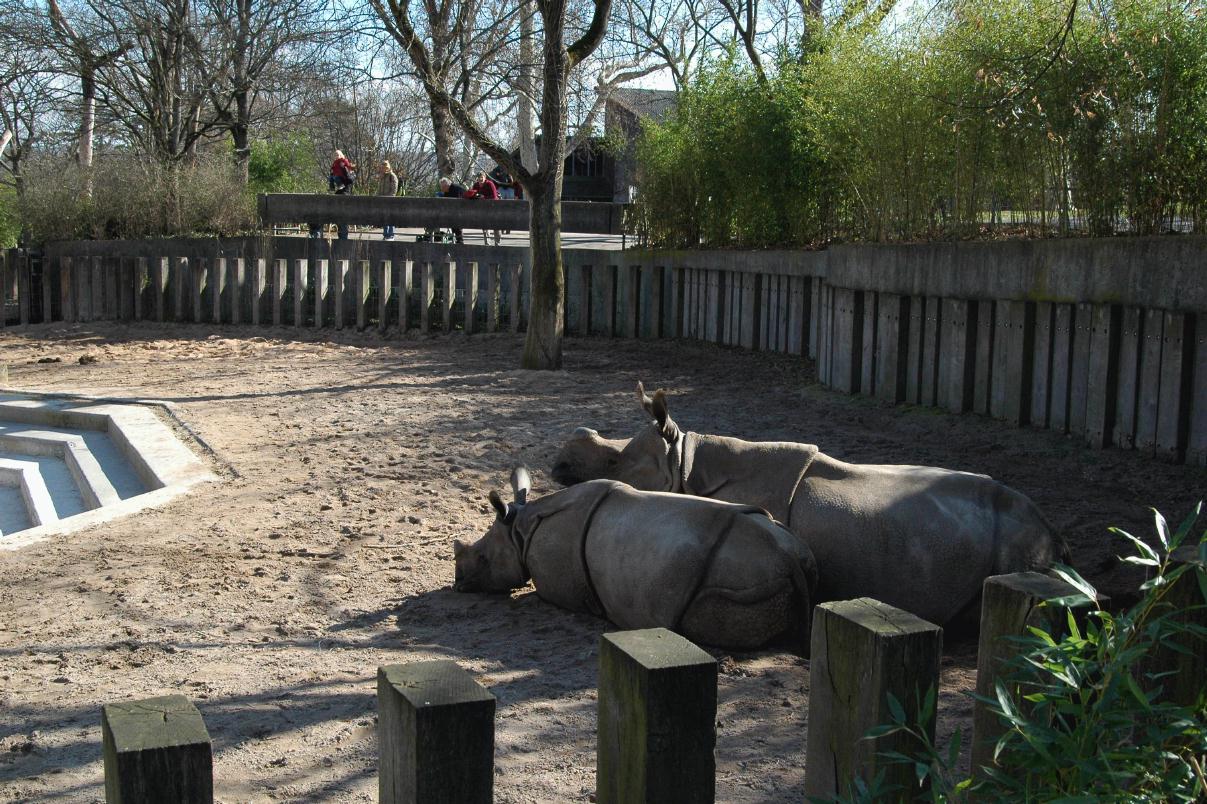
pixel 350 463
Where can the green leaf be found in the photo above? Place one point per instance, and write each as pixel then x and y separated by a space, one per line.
pixel 1071 577
pixel 1162 528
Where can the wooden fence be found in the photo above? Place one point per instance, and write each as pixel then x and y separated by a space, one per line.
pixel 1105 340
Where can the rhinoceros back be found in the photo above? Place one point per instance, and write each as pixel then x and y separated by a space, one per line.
pixel 720 573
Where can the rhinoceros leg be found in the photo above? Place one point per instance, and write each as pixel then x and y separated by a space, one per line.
pixel 734 620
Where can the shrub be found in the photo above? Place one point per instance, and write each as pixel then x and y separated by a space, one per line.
pixel 134 198
pixel 284 165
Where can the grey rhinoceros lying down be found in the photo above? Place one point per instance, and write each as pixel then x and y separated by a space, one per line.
pixel 916 537
pixel 718 573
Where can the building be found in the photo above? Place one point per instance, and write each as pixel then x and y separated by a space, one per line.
pixel 626 111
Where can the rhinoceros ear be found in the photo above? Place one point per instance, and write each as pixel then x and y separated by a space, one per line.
pixel 496 502
pixel 520 484
pixel 646 403
pixel 662 415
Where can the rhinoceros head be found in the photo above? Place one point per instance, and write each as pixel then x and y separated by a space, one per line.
pixel 642 461
pixel 492 564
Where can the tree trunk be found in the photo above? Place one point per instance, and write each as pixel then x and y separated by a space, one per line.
pixel 87 128
pixel 442 125
pixel 543 345
pixel 240 134
pixel 524 106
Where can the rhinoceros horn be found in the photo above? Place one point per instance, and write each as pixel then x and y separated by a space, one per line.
pixel 520 484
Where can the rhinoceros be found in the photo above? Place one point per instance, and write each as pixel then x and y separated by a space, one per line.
pixel 718 573
pixel 916 537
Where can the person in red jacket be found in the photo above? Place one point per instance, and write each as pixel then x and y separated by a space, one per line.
pixel 485 188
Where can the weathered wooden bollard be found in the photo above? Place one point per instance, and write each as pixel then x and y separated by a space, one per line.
pixel 861 651
pixel 435 735
pixel 657 719
pixel 1009 605
pixel 1187 668
pixel 156 750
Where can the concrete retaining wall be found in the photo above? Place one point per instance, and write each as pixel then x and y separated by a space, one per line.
pixel 1101 339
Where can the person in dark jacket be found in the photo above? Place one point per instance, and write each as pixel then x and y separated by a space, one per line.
pixel 450 189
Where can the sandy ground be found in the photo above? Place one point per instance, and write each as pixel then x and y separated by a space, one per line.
pixel 350 466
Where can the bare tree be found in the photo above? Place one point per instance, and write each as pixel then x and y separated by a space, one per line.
pixel 254 49
pixel 543 347
pixel 89 52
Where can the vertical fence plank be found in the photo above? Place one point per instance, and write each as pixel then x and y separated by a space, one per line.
pixel 200 274
pixel 1079 369
pixel 471 295
pixel 385 278
pixel 435 735
pixel 405 278
pixel 867 360
pixel 24 288
pixel 517 299
pixel 677 302
pixel 1196 448
pixel 97 313
pixel 259 279
pixel 1173 405
pixel 1128 382
pixel 650 304
pixel 110 269
pixel 66 289
pixel 1103 371
pixel 50 277
pixel 5 272
pixel 360 289
pixel 340 293
pixel 1062 359
pixel 426 296
pixel 748 325
pixel 891 346
pixel 217 283
pixel 297 281
pixel 917 326
pixel 1041 369
pixel 279 277
pixel 712 305
pixel 236 290
pixel 322 293
pixel 797 310
pixel 957 349
pixel 862 651
pixel 654 684
pixel 931 325
pixel 1150 380
pixel 141 281
pixel 161 273
pixel 156 750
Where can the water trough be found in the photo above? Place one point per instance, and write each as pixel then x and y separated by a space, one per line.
pixel 66 464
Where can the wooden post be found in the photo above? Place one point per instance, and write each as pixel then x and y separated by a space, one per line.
pixel 66 289
pixel 1184 684
pixel 1172 414
pixel 657 719
pixel 863 650
pixel 156 750
pixel 360 288
pixel 435 735
pixel 161 273
pixel 110 269
pixel 1009 605
pixel 50 275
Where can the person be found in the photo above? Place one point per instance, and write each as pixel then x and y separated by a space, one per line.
pixel 387 185
pixel 339 181
pixel 450 189
pixel 485 189
pixel 504 182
